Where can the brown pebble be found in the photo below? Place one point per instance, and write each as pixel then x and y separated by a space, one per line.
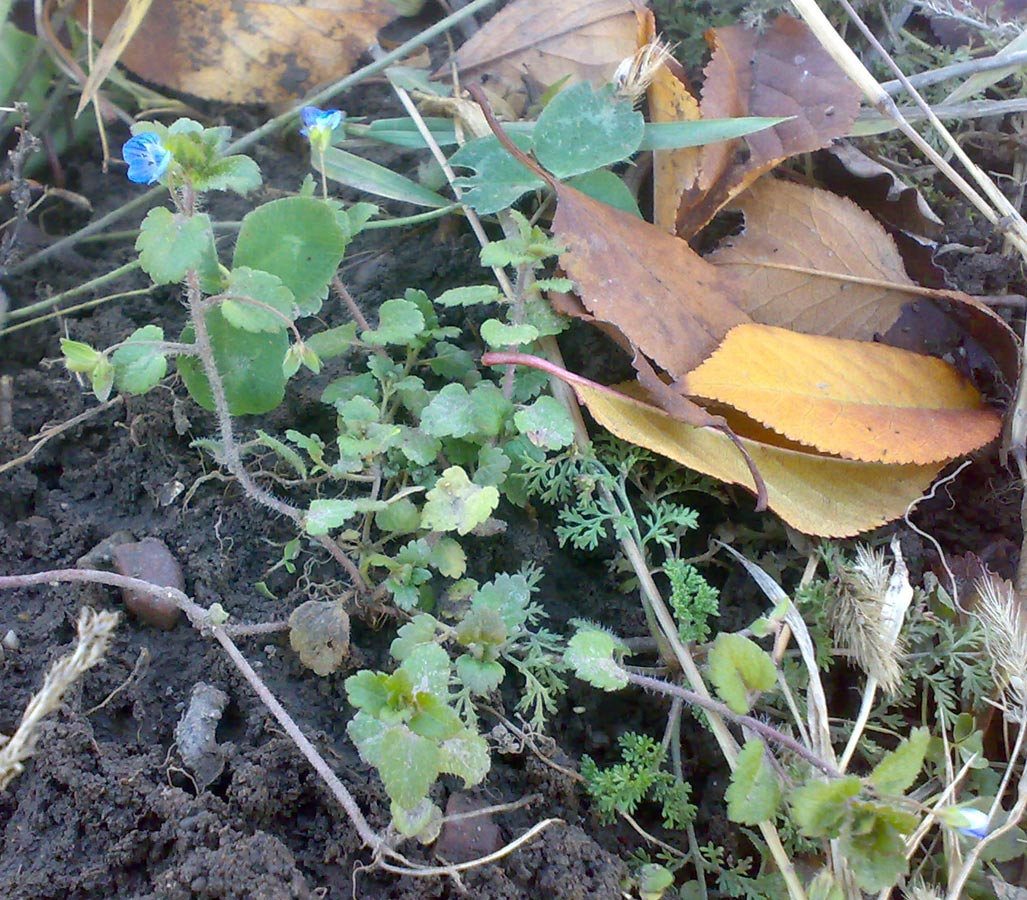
pixel 151 560
pixel 465 839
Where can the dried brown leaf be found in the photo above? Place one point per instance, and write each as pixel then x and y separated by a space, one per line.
pixel 243 51
pixel 530 45
pixel 847 170
pixel 782 72
pixel 815 262
pixel 670 303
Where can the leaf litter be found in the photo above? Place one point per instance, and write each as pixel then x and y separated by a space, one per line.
pixel 767 364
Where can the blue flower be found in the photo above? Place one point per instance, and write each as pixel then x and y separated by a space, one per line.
pixel 147 158
pixel 315 119
pixel 966 820
pixel 976 823
pixel 318 125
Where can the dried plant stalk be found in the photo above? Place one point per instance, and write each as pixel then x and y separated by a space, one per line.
pixel 95 630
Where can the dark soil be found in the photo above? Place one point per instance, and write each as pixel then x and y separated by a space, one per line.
pixel 105 809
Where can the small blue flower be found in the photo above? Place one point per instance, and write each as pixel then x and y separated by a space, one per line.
pixel 324 120
pixel 147 158
pixel 976 823
pixel 966 820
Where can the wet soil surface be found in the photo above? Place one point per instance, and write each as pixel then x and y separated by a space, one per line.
pixel 106 809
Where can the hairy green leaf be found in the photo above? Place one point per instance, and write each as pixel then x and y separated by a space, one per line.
pixel 739 666
pixel 754 793
pixel 456 504
pixel 170 244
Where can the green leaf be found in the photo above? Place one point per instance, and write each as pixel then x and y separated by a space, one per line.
pixel 434 719
pixel 250 366
pixel 499 179
pixel 604 186
pixel 299 239
pixel 366 730
pixel 546 423
pixel 364 175
pixel 489 409
pixel 590 653
pixel 284 452
pixel 672 135
pixel 102 378
pixel 739 666
pixel 405 133
pixel 408 764
pixel 423 822
pixel 170 244
pixel 429 668
pixel 449 558
pixel 498 334
pixel 875 853
pixel 820 808
pixel 399 322
pixel 399 517
pixel 479 676
pixel 493 464
pixel 334 341
pixel 368 690
pixel 252 284
pixel 455 504
pixel 79 357
pixel 898 770
pixel 140 362
pixel 231 173
pixel 421 449
pixel 466 756
pixel 450 361
pixel 754 793
pixel 324 515
pixel 419 630
pixel 472 295
pixel 449 414
pixel 582 129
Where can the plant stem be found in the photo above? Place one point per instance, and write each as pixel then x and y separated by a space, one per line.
pixel 233 462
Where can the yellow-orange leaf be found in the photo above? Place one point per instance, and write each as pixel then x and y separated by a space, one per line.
pixel 853 399
pixel 818 495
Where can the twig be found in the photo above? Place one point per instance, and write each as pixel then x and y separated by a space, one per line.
pixel 715 706
pixel 48 434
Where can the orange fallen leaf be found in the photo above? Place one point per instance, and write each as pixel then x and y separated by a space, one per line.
pixel 782 72
pixel 819 495
pixel 853 399
pixel 244 51
pixel 531 45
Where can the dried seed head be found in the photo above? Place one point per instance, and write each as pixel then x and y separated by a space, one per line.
pixel 634 74
pixel 867 616
pixel 918 890
pixel 1005 626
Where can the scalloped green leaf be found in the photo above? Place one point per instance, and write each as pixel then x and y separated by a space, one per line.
pixel 299 239
pixel 754 793
pixel 170 244
pixel 140 363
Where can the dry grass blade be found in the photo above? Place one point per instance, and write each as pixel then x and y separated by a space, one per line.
pixel 124 29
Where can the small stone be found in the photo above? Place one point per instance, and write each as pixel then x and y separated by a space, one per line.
pixel 102 555
pixel 466 839
pixel 151 560
pixel 11 640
